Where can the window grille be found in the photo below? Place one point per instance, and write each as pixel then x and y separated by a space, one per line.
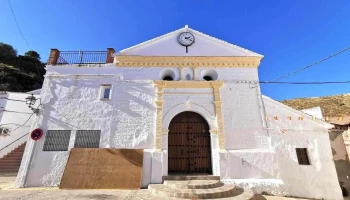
pixel 303 157
pixel 87 139
pixel 57 140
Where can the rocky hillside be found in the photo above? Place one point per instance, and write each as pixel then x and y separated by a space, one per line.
pixel 332 106
pixel 20 73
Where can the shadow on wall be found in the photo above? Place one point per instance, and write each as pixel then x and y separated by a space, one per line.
pixel 133 123
pixel 314 184
pixel 341 158
pixel 245 169
pixel 134 115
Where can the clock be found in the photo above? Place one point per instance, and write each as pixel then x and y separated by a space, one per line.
pixel 186 39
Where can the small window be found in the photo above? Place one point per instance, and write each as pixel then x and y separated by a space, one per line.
pixel 106 92
pixel 57 140
pixel 303 157
pixel 168 78
pixel 208 78
pixel 87 139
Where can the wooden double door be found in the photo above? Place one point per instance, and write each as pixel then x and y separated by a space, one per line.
pixel 189 144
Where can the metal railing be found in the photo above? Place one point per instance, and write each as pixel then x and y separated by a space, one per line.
pixel 82 57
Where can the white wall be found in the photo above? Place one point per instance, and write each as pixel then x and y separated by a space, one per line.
pixel 319 180
pixel 257 153
pixel 15 113
pixel 243 120
pixel 153 73
pixel 127 120
pixel 315 111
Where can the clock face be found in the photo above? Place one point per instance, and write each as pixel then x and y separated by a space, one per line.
pixel 186 39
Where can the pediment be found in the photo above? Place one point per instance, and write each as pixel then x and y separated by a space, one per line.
pixel 204 45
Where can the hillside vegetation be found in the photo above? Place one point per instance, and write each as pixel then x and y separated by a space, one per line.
pixel 332 106
pixel 20 73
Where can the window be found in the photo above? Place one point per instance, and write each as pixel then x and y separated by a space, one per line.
pixel 87 139
pixel 303 157
pixel 57 140
pixel 209 75
pixel 208 78
pixel 106 91
pixel 168 78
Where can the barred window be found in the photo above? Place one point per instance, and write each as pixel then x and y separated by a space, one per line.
pixel 57 140
pixel 303 157
pixel 87 139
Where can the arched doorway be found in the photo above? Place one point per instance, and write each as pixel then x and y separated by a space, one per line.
pixel 189 144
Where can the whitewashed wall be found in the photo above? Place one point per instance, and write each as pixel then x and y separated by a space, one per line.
pixel 15 113
pixel 258 155
pixel 73 103
pixel 319 180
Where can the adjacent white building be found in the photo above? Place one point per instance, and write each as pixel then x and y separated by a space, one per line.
pixel 15 119
pixel 183 84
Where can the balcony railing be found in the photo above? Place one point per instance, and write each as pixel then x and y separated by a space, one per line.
pixel 80 57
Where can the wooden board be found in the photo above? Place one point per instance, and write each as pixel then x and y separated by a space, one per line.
pixel 103 169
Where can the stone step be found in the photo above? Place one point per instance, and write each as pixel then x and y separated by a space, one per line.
pixel 191 177
pixel 211 193
pixel 193 184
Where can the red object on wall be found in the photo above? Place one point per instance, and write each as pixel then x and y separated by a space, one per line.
pixel 36 134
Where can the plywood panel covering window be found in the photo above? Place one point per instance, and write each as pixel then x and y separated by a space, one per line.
pixel 57 140
pixel 303 157
pixel 87 139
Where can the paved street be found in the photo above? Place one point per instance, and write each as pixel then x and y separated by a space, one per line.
pixel 8 192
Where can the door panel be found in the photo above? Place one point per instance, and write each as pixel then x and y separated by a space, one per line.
pixel 189 144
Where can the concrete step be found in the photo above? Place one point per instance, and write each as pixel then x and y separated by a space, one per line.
pixel 211 193
pixel 9 161
pixel 14 153
pixel 18 150
pixel 193 184
pixel 9 166
pixel 11 158
pixel 8 170
pixel 190 177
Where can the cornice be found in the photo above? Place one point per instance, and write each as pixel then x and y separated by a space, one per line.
pixel 187 61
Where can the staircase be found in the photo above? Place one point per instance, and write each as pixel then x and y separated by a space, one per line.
pixel 197 187
pixel 10 162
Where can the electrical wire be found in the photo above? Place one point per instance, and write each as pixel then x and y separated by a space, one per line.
pixel 12 99
pixel 23 123
pixel 14 16
pixel 14 111
pixel 11 123
pixel 305 83
pixel 313 64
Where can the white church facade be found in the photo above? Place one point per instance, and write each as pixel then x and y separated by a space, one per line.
pixel 193 104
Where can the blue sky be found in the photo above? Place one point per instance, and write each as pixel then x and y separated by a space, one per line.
pixel 290 34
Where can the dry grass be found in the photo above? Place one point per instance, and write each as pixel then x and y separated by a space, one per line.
pixel 332 106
